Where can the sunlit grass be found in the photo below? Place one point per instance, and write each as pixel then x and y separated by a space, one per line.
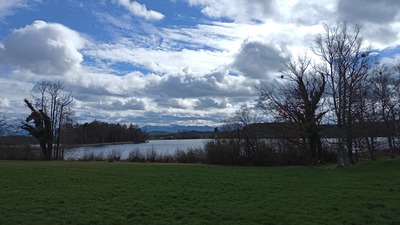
pixel 129 193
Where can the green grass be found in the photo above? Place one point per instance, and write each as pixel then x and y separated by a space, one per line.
pixel 129 193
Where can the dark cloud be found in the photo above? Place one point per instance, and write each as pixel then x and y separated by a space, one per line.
pixel 131 104
pixel 375 17
pixel 379 33
pixel 257 60
pixel 194 86
pixel 360 11
pixel 211 103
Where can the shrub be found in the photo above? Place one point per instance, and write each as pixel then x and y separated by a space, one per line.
pixel 261 153
pixel 191 155
pixel 151 154
pixel 136 156
pixel 90 156
pixel 23 152
pixel 114 155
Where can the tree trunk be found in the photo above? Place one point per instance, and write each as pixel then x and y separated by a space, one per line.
pixel 341 154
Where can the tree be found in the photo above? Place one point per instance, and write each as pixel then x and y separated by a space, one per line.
pixel 345 62
pixel 247 143
pixel 51 103
pixel 97 132
pixel 297 99
pixel 41 129
pixel 385 87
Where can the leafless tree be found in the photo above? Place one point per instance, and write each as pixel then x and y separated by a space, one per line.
pixel 385 87
pixel 297 98
pixel 54 102
pixel 242 133
pixel 38 124
pixel 367 114
pixel 345 63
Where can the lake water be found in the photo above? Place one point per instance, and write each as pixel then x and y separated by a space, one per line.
pixel 161 147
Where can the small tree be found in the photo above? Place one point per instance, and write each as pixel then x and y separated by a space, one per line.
pixel 41 129
pixel 242 133
pixel 51 104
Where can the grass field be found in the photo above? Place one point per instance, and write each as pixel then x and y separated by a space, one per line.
pixel 129 193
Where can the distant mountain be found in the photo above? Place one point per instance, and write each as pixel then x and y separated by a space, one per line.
pixel 176 128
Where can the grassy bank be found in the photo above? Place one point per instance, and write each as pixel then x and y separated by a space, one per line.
pixel 129 193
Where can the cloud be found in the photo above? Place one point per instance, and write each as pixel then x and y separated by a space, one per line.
pixel 4 102
pixel 8 7
pixel 140 10
pixel 379 20
pixel 212 103
pixel 117 22
pixel 381 12
pixel 258 60
pixel 309 12
pixel 238 10
pixel 195 71
pixel 154 56
pixel 43 48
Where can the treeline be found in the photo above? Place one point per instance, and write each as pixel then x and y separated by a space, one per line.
pixel 181 135
pixel 98 132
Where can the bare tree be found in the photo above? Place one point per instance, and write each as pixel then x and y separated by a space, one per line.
pixel 297 99
pixel 40 129
pixel 53 102
pixel 385 87
pixel 242 133
pixel 345 63
pixel 367 114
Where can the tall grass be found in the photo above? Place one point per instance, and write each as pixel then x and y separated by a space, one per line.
pixel 190 155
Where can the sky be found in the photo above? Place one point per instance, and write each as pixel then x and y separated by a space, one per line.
pixel 161 62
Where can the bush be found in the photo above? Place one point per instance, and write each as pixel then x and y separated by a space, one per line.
pixel 151 154
pixel 23 152
pixel 191 155
pixel 90 156
pixel 224 152
pixel 115 154
pixel 136 156
pixel 261 152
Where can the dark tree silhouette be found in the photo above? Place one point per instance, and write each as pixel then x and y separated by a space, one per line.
pixel 345 63
pixel 298 100
pixel 41 129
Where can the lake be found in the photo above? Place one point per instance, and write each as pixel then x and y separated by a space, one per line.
pixel 161 147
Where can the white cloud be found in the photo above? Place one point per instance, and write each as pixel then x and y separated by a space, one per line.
pixel 119 22
pixel 44 48
pixel 238 10
pixel 140 10
pixel 7 7
pixel 157 59
pixel 4 102
pixel 294 11
pixel 168 73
